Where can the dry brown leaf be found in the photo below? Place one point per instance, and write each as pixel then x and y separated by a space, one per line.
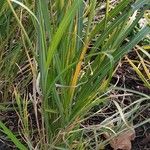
pixel 122 141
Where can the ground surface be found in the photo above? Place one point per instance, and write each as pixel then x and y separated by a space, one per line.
pixel 130 79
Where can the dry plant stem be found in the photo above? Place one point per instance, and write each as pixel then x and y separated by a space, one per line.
pixel 77 70
pixel 35 99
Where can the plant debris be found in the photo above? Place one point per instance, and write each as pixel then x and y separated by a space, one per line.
pixel 122 141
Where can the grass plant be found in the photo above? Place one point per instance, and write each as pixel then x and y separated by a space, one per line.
pixel 71 57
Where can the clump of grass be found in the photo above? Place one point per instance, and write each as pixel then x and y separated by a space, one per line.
pixel 75 57
pixel 14 66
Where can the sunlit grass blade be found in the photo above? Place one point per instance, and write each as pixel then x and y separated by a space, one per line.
pixel 11 136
